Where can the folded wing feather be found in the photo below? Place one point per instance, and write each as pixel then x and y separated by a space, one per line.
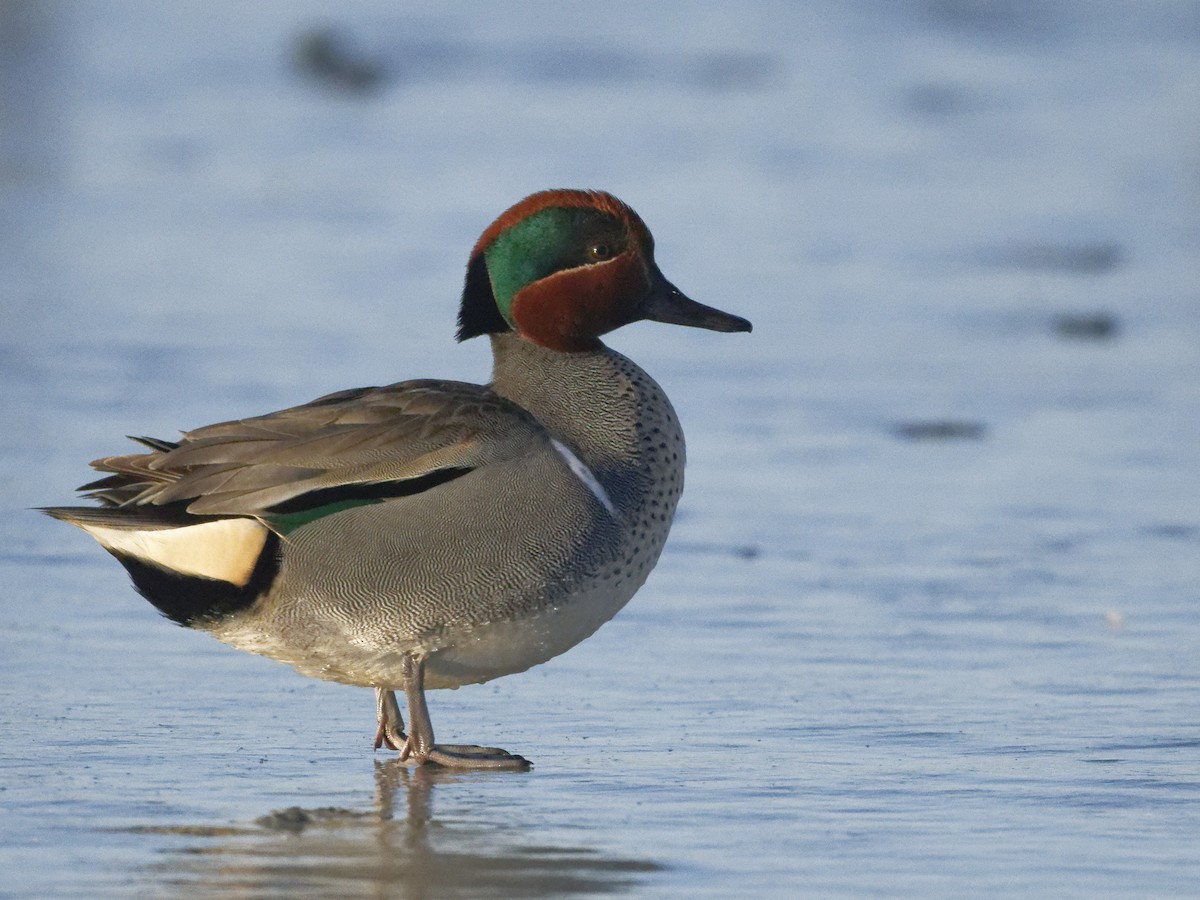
pixel 368 436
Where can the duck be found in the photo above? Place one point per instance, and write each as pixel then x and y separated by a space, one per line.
pixel 431 534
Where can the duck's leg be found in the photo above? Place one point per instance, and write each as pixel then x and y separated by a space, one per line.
pixel 390 732
pixel 420 746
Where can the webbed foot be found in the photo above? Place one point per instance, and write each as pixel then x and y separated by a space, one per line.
pixel 418 746
pixel 467 756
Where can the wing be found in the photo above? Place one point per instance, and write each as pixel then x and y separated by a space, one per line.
pixel 364 444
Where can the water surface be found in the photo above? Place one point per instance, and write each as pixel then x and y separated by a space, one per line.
pixel 927 624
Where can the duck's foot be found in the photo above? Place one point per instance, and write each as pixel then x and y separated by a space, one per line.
pixel 468 756
pixel 418 746
pixel 390 732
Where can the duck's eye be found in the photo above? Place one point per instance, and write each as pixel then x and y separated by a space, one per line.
pixel 599 252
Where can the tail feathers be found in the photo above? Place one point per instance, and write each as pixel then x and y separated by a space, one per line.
pixel 147 517
pixel 132 477
pixel 154 443
pixel 196 569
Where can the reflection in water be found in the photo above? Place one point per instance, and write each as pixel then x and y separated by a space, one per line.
pixel 398 849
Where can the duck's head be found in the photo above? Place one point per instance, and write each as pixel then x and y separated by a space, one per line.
pixel 563 267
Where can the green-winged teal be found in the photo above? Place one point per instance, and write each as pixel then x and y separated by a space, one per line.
pixel 433 533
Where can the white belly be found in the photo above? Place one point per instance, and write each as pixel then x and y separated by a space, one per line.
pixel 504 648
pixel 457 657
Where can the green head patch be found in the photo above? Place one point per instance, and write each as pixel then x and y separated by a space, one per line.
pixel 549 241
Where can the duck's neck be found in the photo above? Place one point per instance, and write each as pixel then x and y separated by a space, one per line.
pixel 599 401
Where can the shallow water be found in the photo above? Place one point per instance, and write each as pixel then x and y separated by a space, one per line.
pixel 927 624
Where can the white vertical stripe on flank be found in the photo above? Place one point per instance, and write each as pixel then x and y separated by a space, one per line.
pixel 584 474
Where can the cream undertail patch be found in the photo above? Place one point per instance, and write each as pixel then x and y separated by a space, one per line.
pixel 226 550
